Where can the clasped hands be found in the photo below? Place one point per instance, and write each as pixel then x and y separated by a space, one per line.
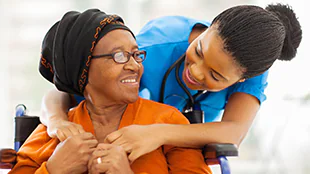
pixel 82 152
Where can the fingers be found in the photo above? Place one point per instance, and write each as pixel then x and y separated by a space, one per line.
pixel 87 136
pixel 112 137
pixel 132 157
pixel 92 143
pixel 103 146
pixel 52 133
pixel 80 128
pixel 110 159
pixel 75 129
pixel 60 135
pixel 127 148
pixel 88 139
pixel 99 159
pixel 97 168
pixel 67 129
pixel 98 153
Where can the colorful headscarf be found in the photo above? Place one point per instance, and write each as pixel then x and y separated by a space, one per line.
pixel 68 46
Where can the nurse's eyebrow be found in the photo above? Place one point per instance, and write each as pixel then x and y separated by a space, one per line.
pixel 200 46
pixel 219 74
pixel 201 52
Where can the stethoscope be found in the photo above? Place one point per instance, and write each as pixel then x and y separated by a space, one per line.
pixel 192 109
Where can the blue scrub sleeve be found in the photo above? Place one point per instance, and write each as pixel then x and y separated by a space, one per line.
pixel 254 86
pixel 78 98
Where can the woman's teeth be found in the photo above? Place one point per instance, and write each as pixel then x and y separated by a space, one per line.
pixel 129 81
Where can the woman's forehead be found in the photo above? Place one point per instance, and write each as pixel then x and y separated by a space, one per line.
pixel 117 39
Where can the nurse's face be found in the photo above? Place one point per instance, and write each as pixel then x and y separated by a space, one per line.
pixel 208 66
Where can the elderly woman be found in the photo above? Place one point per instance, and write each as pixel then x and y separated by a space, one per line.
pixel 95 55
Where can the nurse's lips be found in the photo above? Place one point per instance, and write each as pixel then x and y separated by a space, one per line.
pixel 190 79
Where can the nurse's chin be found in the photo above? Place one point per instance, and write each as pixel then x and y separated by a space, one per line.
pixel 201 88
pixel 194 87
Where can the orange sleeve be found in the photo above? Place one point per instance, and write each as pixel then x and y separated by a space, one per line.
pixel 184 160
pixel 32 156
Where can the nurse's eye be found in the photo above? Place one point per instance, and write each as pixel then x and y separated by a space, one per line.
pixel 197 53
pixel 213 76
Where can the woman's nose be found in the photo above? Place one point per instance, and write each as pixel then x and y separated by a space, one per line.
pixel 132 65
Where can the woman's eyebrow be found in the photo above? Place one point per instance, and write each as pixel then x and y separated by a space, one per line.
pixel 123 48
pixel 117 48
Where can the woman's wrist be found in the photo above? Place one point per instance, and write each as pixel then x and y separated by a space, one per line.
pixel 51 168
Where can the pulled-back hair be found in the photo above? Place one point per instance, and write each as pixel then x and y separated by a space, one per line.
pixel 256 37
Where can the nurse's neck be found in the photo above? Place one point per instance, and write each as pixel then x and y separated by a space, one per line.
pixel 196 31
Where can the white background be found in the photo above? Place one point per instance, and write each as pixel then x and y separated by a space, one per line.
pixel 278 141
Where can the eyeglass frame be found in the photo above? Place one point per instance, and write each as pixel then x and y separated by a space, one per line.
pixel 130 54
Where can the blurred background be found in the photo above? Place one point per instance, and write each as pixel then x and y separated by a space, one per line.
pixel 279 140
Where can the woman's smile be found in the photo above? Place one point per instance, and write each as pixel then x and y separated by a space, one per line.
pixel 131 81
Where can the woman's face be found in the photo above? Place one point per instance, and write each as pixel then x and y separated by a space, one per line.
pixel 113 82
pixel 208 66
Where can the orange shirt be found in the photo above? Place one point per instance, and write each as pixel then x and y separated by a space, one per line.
pixel 33 155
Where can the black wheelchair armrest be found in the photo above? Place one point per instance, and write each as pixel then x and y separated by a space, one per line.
pixel 214 150
pixel 7 158
pixel 24 126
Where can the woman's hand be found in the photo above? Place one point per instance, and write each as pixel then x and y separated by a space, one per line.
pixel 63 129
pixel 109 158
pixel 137 140
pixel 73 154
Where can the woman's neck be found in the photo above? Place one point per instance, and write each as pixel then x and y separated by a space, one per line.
pixel 105 114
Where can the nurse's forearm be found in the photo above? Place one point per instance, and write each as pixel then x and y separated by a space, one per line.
pixel 55 105
pixel 198 135
pixel 239 114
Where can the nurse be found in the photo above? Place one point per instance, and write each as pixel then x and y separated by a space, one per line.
pixel 219 68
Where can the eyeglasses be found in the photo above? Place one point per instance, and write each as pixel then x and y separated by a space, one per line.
pixel 124 56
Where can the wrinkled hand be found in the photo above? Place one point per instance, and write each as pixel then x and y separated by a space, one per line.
pixel 112 160
pixel 64 129
pixel 136 140
pixel 73 154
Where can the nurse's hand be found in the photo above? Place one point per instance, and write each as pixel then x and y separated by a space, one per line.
pixel 137 140
pixel 62 129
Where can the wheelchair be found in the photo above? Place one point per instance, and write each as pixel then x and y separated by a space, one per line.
pixel 214 154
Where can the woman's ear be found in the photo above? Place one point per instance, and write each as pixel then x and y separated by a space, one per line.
pixel 242 80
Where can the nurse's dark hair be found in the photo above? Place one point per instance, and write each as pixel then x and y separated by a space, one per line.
pixel 256 37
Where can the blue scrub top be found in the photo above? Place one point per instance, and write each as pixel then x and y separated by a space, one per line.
pixel 166 39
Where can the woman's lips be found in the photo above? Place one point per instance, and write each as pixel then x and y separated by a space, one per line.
pixel 190 78
pixel 132 81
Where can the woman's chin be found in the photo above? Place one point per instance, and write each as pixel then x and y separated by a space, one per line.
pixel 131 99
